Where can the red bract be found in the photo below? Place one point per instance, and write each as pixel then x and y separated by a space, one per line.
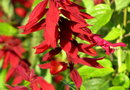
pixel 74 75
pixel 11 51
pixel 54 66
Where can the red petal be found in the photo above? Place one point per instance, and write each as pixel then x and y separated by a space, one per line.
pixel 21 71
pixel 118 44
pixel 45 66
pixel 51 54
pixel 45 85
pixel 51 31
pixel 17 80
pixel 76 77
pixel 74 11
pixel 86 16
pixel 10 73
pixel 57 67
pixel 38 12
pixel 14 60
pixel 6 60
pixel 42 47
pixel 1 54
pixel 37 26
pixel 91 62
pixel 87 49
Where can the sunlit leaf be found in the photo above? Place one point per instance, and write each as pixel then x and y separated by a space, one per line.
pixel 114 33
pixel 117 88
pixel 7 7
pixel 120 4
pixel 97 84
pixel 102 14
pixel 7 29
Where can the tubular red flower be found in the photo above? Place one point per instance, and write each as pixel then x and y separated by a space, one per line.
pixel 107 45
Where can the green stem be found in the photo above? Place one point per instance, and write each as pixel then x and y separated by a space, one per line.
pixel 119 52
pixel 34 42
pixel 125 17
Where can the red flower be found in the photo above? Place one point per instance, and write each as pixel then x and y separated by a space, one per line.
pixel 107 45
pixel 11 52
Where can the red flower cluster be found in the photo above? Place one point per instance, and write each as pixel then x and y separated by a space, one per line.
pixel 19 70
pixel 64 23
pixel 22 72
pixel 11 51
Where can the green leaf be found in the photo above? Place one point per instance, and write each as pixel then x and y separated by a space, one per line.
pixel 97 84
pixel 7 7
pixel 95 72
pixel 120 4
pixel 127 60
pixel 48 77
pixel 7 29
pixel 116 88
pixel 122 68
pixel 88 4
pixel 2 78
pixel 102 14
pixel 121 80
pixel 82 88
pixel 114 33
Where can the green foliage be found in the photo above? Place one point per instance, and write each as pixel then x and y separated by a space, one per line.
pixel 127 60
pixel 2 78
pixel 121 80
pixel 115 33
pixel 120 4
pixel 116 88
pixel 97 84
pixel 7 29
pixel 94 72
pixel 7 7
pixel 35 3
pixel 102 14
